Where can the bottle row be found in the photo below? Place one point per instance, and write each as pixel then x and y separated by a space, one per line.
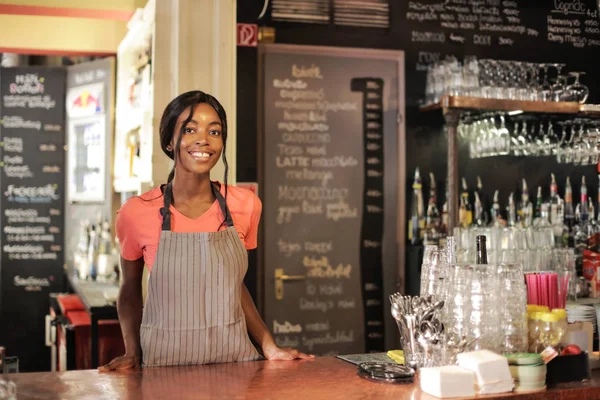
pixel 570 222
pixel 96 256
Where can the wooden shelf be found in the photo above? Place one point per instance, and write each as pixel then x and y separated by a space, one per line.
pixel 480 104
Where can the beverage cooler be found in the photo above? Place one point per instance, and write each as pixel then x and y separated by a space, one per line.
pixel 68 335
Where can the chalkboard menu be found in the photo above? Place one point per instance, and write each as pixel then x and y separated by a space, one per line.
pixel 32 204
pixel 550 31
pixel 330 132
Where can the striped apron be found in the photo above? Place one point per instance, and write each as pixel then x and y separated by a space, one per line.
pixel 193 312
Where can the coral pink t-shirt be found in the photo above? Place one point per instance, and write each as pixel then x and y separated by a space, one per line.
pixel 139 222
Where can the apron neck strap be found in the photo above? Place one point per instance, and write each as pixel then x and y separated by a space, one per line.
pixel 168 199
pixel 222 205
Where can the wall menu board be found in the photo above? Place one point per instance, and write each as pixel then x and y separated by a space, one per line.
pixel 32 203
pixel 544 31
pixel 330 248
pixel 503 23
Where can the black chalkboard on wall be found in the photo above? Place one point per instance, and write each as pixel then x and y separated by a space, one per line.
pixel 330 161
pixel 32 204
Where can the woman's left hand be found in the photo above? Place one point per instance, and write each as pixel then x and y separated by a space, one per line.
pixel 276 353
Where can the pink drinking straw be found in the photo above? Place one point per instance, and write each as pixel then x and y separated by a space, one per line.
pixel 542 290
pixel 544 287
pixel 555 289
pixel 529 289
pixel 550 295
pixel 531 298
pixel 535 286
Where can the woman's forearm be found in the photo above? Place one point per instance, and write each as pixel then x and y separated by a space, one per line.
pixel 256 326
pixel 130 308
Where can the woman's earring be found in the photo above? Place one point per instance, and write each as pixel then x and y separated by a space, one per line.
pixel 169 148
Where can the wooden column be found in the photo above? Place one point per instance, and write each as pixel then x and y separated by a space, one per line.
pixel 452 117
pixel 195 49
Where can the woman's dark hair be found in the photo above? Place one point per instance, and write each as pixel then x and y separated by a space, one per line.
pixel 182 103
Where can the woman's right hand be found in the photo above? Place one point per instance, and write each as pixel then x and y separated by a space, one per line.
pixel 119 363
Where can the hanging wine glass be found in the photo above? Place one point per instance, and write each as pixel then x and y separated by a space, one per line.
pixel 537 140
pixel 553 138
pixel 503 137
pixel 522 138
pixel 546 145
pixel 514 140
pixel 578 91
pixel 560 149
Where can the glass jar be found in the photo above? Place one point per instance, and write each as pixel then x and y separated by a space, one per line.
pixel 535 319
pixel 550 332
pixel 562 324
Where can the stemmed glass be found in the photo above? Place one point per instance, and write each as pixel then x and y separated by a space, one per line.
pixel 534 86
pixel 471 76
pixel 578 91
pixel 559 92
pixel 553 139
pixel 546 142
pixel 559 85
pixel 503 138
pixel 522 85
pixel 485 78
pixel 537 143
pixel 497 78
pixel 545 88
pixel 515 144
pixel 509 78
pixel 560 148
pixel 522 138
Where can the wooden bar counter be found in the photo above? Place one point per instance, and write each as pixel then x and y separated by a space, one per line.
pixel 323 378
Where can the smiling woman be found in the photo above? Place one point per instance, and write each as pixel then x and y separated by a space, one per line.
pixel 192 234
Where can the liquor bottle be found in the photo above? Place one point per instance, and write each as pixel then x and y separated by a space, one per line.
pixel 583 201
pixel 481 250
pixel 478 211
pixel 485 204
pixel 512 211
pixel 556 213
pixel 544 221
pixel 586 214
pixel 105 243
pixel 417 221
pixel 93 252
pixel 495 211
pixel 556 204
pixel 465 213
pixel 432 222
pixel 569 216
pixel 525 211
pixel 451 250
pixel 598 195
pixel 594 227
pixel 582 231
pixel 80 258
pixel 538 204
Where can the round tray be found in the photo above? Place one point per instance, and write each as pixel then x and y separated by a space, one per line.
pixel 388 372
